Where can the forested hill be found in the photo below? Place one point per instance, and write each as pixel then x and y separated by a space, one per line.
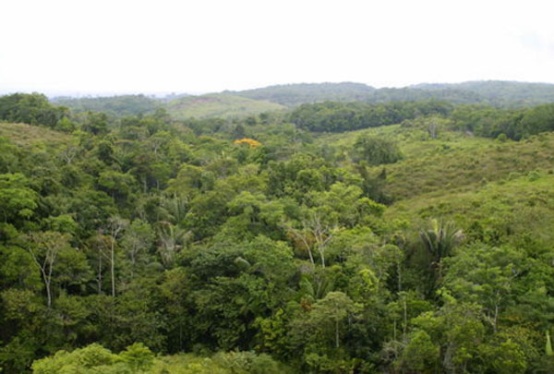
pixel 497 93
pixel 295 94
pixel 123 105
pixel 336 237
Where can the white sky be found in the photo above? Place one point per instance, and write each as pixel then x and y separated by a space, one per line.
pixel 123 46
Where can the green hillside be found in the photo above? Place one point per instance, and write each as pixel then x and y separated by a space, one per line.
pixel 462 177
pixel 454 161
pixel 295 94
pixel 25 135
pixel 525 202
pixel 218 105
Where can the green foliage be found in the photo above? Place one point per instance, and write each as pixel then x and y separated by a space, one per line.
pixel 17 200
pixel 377 151
pixel 137 357
pixel 548 348
pixel 440 239
pixel 338 117
pixel 420 355
pixel 538 119
pixel 223 258
pixel 33 109
pixel 119 106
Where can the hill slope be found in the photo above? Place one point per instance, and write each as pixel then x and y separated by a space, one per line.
pixel 218 105
pixel 454 162
pixel 29 136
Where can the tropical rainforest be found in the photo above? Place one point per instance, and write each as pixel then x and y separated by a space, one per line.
pixel 332 228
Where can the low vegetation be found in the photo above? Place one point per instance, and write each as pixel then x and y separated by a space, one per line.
pixel 218 105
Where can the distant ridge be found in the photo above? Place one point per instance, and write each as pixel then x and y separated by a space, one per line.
pixel 496 93
pixel 300 93
pixel 240 104
pixel 120 105
pixel 499 93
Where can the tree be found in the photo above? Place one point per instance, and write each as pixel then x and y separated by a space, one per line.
pixel 457 328
pixel 92 358
pixel 420 355
pixel 377 150
pixel 114 228
pixel 316 332
pixel 95 123
pixel 335 306
pixel 45 248
pixel 439 240
pixel 172 239
pixel 138 237
pixel 538 119
pixel 486 276
pixel 17 200
pixel 34 109
pixel 138 357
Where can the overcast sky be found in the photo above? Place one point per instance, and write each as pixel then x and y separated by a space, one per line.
pixel 162 46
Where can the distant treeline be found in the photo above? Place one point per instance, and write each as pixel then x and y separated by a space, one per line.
pixel 496 93
pixel 339 117
pixel 514 124
pixel 124 105
pixel 480 120
pixel 329 116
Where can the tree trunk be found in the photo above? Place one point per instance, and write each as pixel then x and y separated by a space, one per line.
pixel 99 277
pixel 337 333
pixel 112 269
pixel 47 281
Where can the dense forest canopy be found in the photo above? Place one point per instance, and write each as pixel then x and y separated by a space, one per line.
pixel 335 236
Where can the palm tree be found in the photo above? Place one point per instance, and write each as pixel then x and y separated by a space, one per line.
pixel 439 240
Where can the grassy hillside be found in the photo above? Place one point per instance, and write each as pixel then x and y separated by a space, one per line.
pixel 511 198
pixel 518 211
pixel 32 136
pixel 460 164
pixel 492 190
pixel 218 105
pixel 454 161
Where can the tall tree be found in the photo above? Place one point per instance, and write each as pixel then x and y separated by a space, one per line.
pixel 45 248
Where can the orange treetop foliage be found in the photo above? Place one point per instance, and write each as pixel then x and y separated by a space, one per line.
pixel 251 142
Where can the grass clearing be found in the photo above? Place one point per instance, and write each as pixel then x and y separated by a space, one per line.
pixel 219 105
pixel 33 136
